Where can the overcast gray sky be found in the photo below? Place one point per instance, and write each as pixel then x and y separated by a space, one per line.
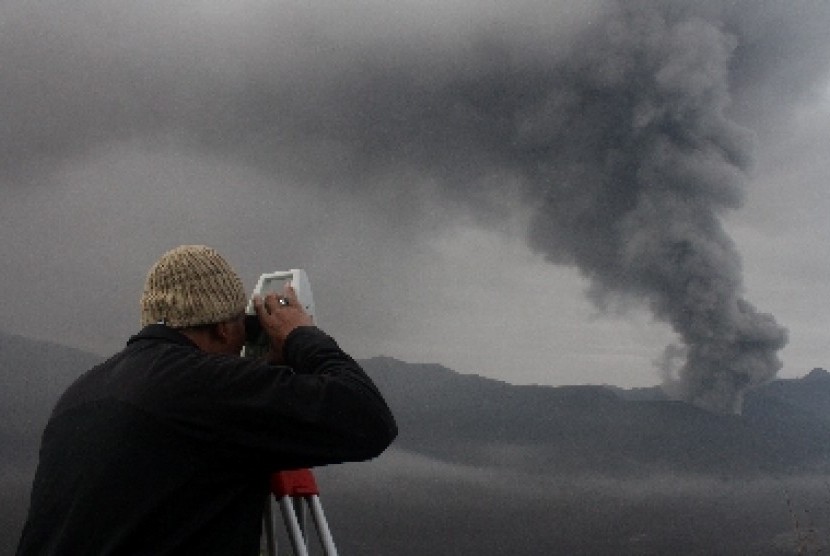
pixel 483 185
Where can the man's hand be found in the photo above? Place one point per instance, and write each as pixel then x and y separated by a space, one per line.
pixel 279 315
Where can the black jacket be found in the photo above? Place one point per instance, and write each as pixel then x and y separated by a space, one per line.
pixel 166 449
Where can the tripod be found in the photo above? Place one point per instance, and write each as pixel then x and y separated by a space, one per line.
pixel 291 489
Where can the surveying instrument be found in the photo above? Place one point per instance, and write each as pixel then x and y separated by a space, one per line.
pixel 289 489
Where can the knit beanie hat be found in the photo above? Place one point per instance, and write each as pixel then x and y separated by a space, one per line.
pixel 191 285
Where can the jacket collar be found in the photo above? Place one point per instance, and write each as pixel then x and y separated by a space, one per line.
pixel 163 333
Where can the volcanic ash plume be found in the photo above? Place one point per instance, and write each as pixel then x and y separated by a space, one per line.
pixel 649 162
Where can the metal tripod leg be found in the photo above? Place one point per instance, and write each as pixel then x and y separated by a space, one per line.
pixel 326 540
pixel 268 522
pixel 292 524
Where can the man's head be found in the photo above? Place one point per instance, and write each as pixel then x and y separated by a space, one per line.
pixel 194 289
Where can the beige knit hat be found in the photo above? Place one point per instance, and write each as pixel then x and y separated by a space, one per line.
pixel 191 285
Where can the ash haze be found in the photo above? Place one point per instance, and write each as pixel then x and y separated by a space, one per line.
pixel 540 192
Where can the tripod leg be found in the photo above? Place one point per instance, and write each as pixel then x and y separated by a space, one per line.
pixel 300 512
pixel 326 540
pixel 268 522
pixel 295 534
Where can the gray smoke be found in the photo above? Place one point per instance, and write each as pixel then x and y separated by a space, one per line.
pixel 610 119
pixel 638 160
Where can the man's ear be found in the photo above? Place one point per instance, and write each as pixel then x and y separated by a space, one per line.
pixel 221 332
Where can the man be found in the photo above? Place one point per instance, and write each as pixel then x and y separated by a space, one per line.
pixel 168 446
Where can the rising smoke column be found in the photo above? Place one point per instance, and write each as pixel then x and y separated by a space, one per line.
pixel 634 163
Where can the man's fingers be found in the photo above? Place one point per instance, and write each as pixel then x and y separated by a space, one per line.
pixel 267 305
pixel 289 292
pixel 272 302
pixel 259 306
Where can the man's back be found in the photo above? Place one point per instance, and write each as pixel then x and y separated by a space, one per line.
pixel 165 449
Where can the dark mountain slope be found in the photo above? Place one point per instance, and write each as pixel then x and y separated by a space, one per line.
pixel 33 374
pixel 466 418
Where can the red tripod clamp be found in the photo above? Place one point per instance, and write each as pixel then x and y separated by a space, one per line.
pixel 297 482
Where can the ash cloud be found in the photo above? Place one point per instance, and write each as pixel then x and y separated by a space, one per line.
pixel 612 120
pixel 650 163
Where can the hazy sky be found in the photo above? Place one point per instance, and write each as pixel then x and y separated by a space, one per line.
pixel 475 184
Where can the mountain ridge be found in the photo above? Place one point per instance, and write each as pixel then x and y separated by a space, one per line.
pixel 601 429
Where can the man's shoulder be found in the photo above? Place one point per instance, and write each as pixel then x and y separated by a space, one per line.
pixel 127 374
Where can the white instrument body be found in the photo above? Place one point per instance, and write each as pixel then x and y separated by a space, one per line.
pixel 273 282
